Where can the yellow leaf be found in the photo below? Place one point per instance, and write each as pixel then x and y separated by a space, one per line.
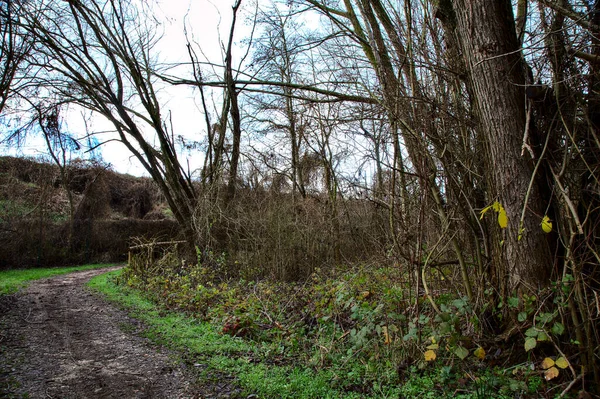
pixel 497 206
pixel 502 218
pixel 499 209
pixel 430 356
pixel 547 363
pixel 521 232
pixel 433 347
pixel 432 338
pixel 484 210
pixel 386 335
pixel 551 373
pixel 479 353
pixel 562 362
pixel 546 224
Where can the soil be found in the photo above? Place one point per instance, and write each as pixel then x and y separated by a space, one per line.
pixel 60 340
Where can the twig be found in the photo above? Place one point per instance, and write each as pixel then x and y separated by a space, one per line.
pixel 531 181
pixel 568 201
pixel 526 145
pixel 157 243
pixel 568 388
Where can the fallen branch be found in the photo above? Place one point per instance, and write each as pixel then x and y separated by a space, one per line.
pixel 152 244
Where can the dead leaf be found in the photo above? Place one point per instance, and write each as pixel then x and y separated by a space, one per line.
pixel 551 373
pixel 479 353
pixel 387 338
pixel 430 356
pixel 547 363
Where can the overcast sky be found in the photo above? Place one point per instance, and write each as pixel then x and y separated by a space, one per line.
pixel 208 23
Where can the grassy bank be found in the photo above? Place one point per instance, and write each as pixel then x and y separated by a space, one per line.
pixel 13 280
pixel 221 354
pixel 282 361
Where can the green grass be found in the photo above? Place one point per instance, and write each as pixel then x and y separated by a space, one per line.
pixel 270 369
pixel 203 343
pixel 13 280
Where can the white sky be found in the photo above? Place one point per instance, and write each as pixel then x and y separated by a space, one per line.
pixel 208 23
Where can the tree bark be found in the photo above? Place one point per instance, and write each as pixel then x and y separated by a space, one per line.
pixel 487 36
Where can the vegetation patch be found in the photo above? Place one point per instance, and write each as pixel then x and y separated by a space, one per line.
pixel 333 336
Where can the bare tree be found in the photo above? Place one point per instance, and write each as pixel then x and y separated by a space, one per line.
pixel 98 55
pixel 14 47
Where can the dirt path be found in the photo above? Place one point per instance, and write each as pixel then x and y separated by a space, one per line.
pixel 58 340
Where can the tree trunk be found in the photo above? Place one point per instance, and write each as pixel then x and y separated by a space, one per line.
pixel 232 92
pixel 489 43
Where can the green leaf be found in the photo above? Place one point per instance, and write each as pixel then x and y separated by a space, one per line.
pixel 562 362
pixel 542 336
pixel 545 317
pixel 531 332
pixel 461 352
pixel 530 343
pixel 445 328
pixel 558 328
pixel 513 302
pixel 445 316
pixel 522 316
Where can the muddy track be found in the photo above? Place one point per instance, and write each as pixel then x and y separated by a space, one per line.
pixel 59 340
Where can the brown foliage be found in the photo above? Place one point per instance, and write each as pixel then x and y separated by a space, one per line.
pixel 34 214
pixel 266 234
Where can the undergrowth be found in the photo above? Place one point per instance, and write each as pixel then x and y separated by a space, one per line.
pixel 353 333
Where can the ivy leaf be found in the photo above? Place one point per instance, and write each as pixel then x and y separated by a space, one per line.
pixel 551 373
pixel 530 343
pixel 547 363
pixel 558 328
pixel 562 362
pixel 430 356
pixel 542 336
pixel 522 316
pixel 531 332
pixel 461 352
pixel 546 224
pixel 513 302
pixel 479 353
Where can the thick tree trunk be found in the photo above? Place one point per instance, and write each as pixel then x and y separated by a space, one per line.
pixel 489 43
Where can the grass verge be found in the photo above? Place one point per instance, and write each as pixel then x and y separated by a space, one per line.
pixel 217 353
pixel 278 351
pixel 12 281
